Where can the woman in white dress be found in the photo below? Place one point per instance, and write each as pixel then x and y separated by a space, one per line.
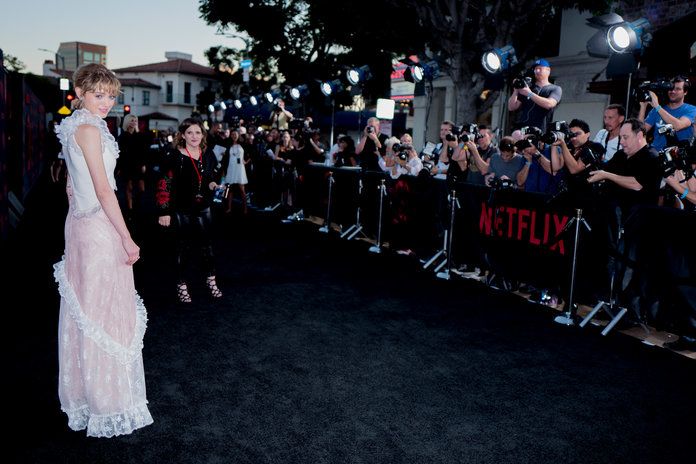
pixel 236 171
pixel 102 321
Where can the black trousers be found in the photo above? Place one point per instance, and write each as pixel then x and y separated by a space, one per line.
pixel 194 238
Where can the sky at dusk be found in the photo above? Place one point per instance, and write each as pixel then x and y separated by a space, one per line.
pixel 135 32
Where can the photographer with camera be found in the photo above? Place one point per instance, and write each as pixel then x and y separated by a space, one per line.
pixel 633 172
pixel 614 116
pixel 579 159
pixel 371 146
pixel 676 113
pixel 535 147
pixel 506 166
pixel 535 104
pixel 406 161
pixel 479 157
pixel 280 117
pixel 685 189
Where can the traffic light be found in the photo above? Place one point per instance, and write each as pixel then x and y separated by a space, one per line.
pixel 126 109
pixel 69 98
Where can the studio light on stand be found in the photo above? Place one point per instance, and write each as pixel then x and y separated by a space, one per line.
pixel 499 59
pixel 298 92
pixel 419 72
pixel 357 75
pixel 622 42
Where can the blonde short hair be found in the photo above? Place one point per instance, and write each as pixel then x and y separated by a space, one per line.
pixel 127 120
pixel 95 77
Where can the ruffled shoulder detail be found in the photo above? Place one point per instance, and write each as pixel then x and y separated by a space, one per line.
pixel 125 354
pixel 66 129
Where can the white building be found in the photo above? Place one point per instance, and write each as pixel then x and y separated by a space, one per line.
pixel 164 93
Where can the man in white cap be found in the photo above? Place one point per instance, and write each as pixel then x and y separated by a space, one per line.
pixel 534 105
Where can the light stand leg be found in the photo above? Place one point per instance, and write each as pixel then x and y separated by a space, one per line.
pixel 568 318
pixel 327 221
pixel 382 193
pixel 356 228
pixel 454 204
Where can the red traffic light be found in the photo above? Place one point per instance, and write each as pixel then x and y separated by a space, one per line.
pixel 126 109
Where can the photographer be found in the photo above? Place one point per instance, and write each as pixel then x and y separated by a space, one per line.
pixel 406 161
pixel 371 145
pixel 280 117
pixel 614 116
pixel 678 114
pixel 685 189
pixel 507 165
pixel 479 158
pixel 634 171
pixel 535 105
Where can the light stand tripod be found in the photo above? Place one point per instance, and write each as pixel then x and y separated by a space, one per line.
pixel 327 221
pixel 446 251
pixel 569 317
pixel 353 231
pixel 610 307
pixel 382 193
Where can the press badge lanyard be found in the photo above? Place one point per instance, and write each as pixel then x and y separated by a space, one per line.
pixel 195 168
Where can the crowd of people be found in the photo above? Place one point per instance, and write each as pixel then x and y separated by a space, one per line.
pixel 200 165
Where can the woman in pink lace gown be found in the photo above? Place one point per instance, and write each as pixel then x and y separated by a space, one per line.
pixel 102 322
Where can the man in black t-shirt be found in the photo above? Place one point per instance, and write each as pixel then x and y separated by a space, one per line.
pixel 633 173
pixel 633 178
pixel 372 146
pixel 534 106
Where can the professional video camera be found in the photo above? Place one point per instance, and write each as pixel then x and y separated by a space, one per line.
pixel 497 183
pixel 521 82
pixel 464 133
pixel 532 135
pixel 558 130
pixel 681 157
pixel 660 87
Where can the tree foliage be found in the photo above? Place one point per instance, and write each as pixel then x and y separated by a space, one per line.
pixel 12 63
pixel 314 39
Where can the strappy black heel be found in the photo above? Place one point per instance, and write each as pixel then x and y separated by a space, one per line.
pixel 215 292
pixel 182 293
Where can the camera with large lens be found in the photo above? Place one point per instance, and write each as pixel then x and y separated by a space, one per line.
pixel 521 82
pixel 453 135
pixel 428 166
pixel 464 133
pixel 678 158
pixel 532 135
pixel 558 130
pixel 402 150
pixel 667 130
pixel 497 183
pixel 660 88
pixel 370 129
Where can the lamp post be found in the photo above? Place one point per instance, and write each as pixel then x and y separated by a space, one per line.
pixel 63 82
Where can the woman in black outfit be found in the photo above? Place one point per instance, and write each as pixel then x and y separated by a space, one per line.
pixel 184 196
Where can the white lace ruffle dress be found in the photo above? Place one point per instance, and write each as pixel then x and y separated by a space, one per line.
pixel 236 170
pixel 102 322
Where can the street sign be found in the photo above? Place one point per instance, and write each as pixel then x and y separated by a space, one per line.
pixel 245 64
pixel 64 110
pixel 64 84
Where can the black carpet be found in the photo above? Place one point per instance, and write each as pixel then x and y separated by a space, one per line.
pixel 321 352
